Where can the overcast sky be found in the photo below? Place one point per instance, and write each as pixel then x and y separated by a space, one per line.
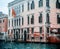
pixel 4 6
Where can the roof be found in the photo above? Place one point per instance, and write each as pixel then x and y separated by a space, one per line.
pixel 3 15
pixel 14 2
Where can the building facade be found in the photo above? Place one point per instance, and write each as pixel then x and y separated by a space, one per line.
pixel 39 19
pixel 3 25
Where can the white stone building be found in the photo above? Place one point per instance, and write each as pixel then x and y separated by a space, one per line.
pixel 33 17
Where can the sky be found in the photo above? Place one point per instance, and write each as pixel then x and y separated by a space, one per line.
pixel 4 6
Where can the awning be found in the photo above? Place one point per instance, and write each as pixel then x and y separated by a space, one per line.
pixel 36 34
pixel 54 29
pixel 45 35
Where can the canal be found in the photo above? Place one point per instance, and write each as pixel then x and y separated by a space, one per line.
pixel 12 45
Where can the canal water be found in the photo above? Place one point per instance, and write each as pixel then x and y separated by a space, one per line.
pixel 12 45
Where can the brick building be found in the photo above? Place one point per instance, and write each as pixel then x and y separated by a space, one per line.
pixel 3 25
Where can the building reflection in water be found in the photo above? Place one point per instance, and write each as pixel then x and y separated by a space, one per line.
pixel 28 46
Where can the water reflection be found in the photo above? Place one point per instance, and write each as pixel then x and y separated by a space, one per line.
pixel 28 46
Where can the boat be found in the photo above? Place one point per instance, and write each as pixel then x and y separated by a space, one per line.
pixel 54 39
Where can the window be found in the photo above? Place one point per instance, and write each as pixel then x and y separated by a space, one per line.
pixel 47 30
pixel 33 38
pixel 28 5
pixel 32 19
pixel 40 29
pixel 19 33
pixel 47 3
pixel 19 8
pixel 22 8
pixel 14 33
pixel 22 20
pixel 27 30
pixel 41 38
pixel 3 20
pixel 0 21
pixel 8 31
pixel 9 23
pixel 9 12
pixel 12 22
pixel 32 5
pixel 32 30
pixel 28 19
pixel 19 21
pixel 58 19
pixel 47 18
pixel 22 33
pixel 22 30
pixel 15 10
pixel 58 4
pixel 40 18
pixel 40 3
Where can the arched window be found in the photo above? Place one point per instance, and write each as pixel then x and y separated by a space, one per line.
pixel 47 3
pixel 22 8
pixel 47 18
pixel 0 21
pixel 40 3
pixel 28 19
pixel 58 4
pixel 40 29
pixel 12 22
pixel 22 20
pixel 19 21
pixel 40 18
pixel 32 5
pixel 9 23
pixel 9 12
pixel 58 19
pixel 28 5
pixel 32 19
pixel 32 30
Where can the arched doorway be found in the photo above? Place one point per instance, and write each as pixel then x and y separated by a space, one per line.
pixel 17 34
pixel 25 35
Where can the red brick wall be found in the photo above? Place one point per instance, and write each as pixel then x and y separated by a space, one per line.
pixel 4 25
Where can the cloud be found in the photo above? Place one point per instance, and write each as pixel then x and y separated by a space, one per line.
pixel 4 6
